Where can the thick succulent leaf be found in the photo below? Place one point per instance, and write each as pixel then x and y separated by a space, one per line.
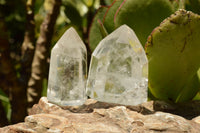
pixel 108 2
pixel 106 15
pixel 173 50
pixel 109 16
pixel 197 97
pixel 190 89
pixel 95 35
pixel 176 4
pixel 143 16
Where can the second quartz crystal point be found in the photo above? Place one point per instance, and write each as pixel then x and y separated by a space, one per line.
pixel 119 69
pixel 68 68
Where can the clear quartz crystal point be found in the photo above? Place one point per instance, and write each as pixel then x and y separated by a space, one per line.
pixel 119 69
pixel 68 68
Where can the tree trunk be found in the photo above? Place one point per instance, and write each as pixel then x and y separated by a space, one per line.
pixel 39 65
pixel 28 44
pixel 19 86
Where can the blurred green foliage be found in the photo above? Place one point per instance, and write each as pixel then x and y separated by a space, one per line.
pixel 14 16
pixel 173 51
pixel 6 104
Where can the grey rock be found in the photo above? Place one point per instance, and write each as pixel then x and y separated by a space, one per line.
pixel 99 117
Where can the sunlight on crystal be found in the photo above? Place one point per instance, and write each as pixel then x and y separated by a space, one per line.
pixel 119 69
pixel 68 68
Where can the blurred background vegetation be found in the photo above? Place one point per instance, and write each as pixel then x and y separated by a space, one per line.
pixel 28 31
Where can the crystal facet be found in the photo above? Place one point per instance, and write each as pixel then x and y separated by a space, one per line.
pixel 68 68
pixel 119 69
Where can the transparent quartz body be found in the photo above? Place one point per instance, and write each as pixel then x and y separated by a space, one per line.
pixel 68 69
pixel 119 69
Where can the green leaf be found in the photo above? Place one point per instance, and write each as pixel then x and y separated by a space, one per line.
pixel 38 5
pixel 3 96
pixel 73 14
pixel 109 16
pixel 173 50
pixel 95 35
pixel 44 87
pixel 108 2
pixel 6 104
pixel 197 97
pixel 143 16
pixel 2 2
pixel 102 29
pixel 88 3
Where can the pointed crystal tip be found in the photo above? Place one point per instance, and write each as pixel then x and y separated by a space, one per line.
pixel 71 39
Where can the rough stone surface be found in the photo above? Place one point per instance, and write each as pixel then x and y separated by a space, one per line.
pixel 99 117
pixel 197 119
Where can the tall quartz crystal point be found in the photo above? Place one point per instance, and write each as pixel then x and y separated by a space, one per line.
pixel 119 69
pixel 68 68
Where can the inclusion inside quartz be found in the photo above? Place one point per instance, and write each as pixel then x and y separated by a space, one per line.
pixel 119 69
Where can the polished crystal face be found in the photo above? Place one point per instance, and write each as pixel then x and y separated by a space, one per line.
pixel 68 68
pixel 119 69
